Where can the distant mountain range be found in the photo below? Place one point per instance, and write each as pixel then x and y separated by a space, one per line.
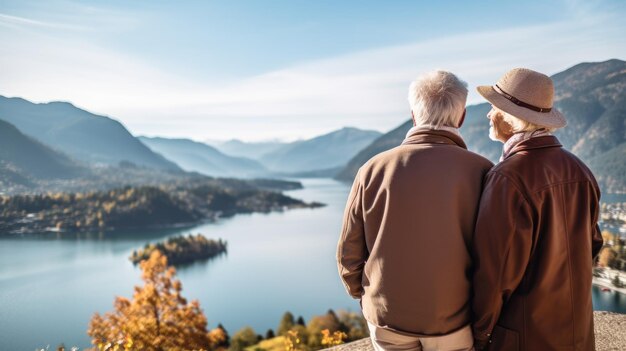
pixel 323 152
pixel 321 156
pixel 58 147
pixel 593 98
pixel 79 134
pixel 253 150
pixel 205 159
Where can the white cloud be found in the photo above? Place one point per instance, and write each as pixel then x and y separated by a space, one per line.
pixel 16 22
pixel 364 89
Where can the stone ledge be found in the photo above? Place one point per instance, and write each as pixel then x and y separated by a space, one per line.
pixel 610 329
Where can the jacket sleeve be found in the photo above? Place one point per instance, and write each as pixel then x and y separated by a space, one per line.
pixel 500 249
pixel 596 235
pixel 352 250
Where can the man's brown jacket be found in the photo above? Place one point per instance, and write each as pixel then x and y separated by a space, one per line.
pixel 404 248
pixel 533 250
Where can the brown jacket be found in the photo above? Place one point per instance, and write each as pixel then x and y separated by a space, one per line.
pixel 404 248
pixel 536 236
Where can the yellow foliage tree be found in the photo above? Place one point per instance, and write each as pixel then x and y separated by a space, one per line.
pixel 158 318
pixel 607 256
pixel 607 236
pixel 293 341
pixel 334 339
pixel 317 324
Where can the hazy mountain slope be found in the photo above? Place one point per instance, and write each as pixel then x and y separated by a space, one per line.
pixel 253 150
pixel 202 158
pixel 382 143
pixel 323 152
pixel 22 157
pixel 474 133
pixel 593 98
pixel 78 133
pixel 609 168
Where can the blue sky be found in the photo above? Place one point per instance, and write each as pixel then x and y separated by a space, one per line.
pixel 259 70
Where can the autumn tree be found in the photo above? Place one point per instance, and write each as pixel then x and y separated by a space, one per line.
pixel 354 325
pixel 157 318
pixel 318 323
pixel 220 338
pixel 242 339
pixel 607 257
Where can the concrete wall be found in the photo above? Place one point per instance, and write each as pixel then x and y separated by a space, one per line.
pixel 610 334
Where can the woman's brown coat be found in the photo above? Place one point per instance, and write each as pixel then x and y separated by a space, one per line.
pixel 533 249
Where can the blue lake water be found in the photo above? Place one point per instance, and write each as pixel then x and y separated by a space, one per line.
pixel 50 285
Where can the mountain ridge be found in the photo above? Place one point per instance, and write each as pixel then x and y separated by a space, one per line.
pixel 80 134
pixel 591 95
pixel 24 157
pixel 325 151
pixel 203 158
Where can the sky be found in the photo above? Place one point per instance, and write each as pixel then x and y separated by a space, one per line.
pixel 286 70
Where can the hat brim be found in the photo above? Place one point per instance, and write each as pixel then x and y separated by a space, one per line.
pixel 552 119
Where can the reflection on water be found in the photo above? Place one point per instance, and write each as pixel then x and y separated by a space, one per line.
pixel 610 300
pixel 612 198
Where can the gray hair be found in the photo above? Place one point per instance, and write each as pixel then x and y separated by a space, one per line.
pixel 438 98
pixel 519 125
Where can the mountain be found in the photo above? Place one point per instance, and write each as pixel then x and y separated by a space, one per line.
pixel 253 150
pixel 323 152
pixel 593 98
pixel 23 158
pixel 79 134
pixel 202 158
pixel 382 143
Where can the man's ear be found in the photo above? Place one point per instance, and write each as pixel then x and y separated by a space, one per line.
pixel 413 118
pixel 462 119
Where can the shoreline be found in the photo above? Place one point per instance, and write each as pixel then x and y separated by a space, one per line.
pixel 213 219
pixel 606 282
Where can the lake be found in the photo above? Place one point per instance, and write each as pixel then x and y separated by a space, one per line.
pixel 51 284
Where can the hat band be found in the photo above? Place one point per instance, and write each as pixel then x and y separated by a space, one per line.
pixel 517 102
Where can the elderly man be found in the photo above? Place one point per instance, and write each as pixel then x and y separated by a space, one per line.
pixel 536 233
pixel 404 249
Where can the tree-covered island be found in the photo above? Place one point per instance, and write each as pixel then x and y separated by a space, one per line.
pixel 139 207
pixel 182 249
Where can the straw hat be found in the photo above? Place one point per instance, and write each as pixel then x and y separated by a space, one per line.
pixel 527 95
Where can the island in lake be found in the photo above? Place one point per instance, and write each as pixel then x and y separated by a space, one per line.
pixel 143 206
pixel 183 249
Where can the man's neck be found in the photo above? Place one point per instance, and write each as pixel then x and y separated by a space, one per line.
pixel 425 127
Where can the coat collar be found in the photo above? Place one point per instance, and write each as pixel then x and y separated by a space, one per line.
pixel 535 143
pixel 433 136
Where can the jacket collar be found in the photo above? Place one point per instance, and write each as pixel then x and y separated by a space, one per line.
pixel 434 136
pixel 535 143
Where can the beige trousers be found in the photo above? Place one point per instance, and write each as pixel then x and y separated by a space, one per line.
pixel 387 340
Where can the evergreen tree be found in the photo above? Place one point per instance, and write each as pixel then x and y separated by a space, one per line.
pixel 301 321
pixel 270 334
pixel 226 342
pixel 286 323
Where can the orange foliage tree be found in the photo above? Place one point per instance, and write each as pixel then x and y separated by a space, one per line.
pixel 157 318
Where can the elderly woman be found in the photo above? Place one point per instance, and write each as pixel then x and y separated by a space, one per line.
pixel 536 233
